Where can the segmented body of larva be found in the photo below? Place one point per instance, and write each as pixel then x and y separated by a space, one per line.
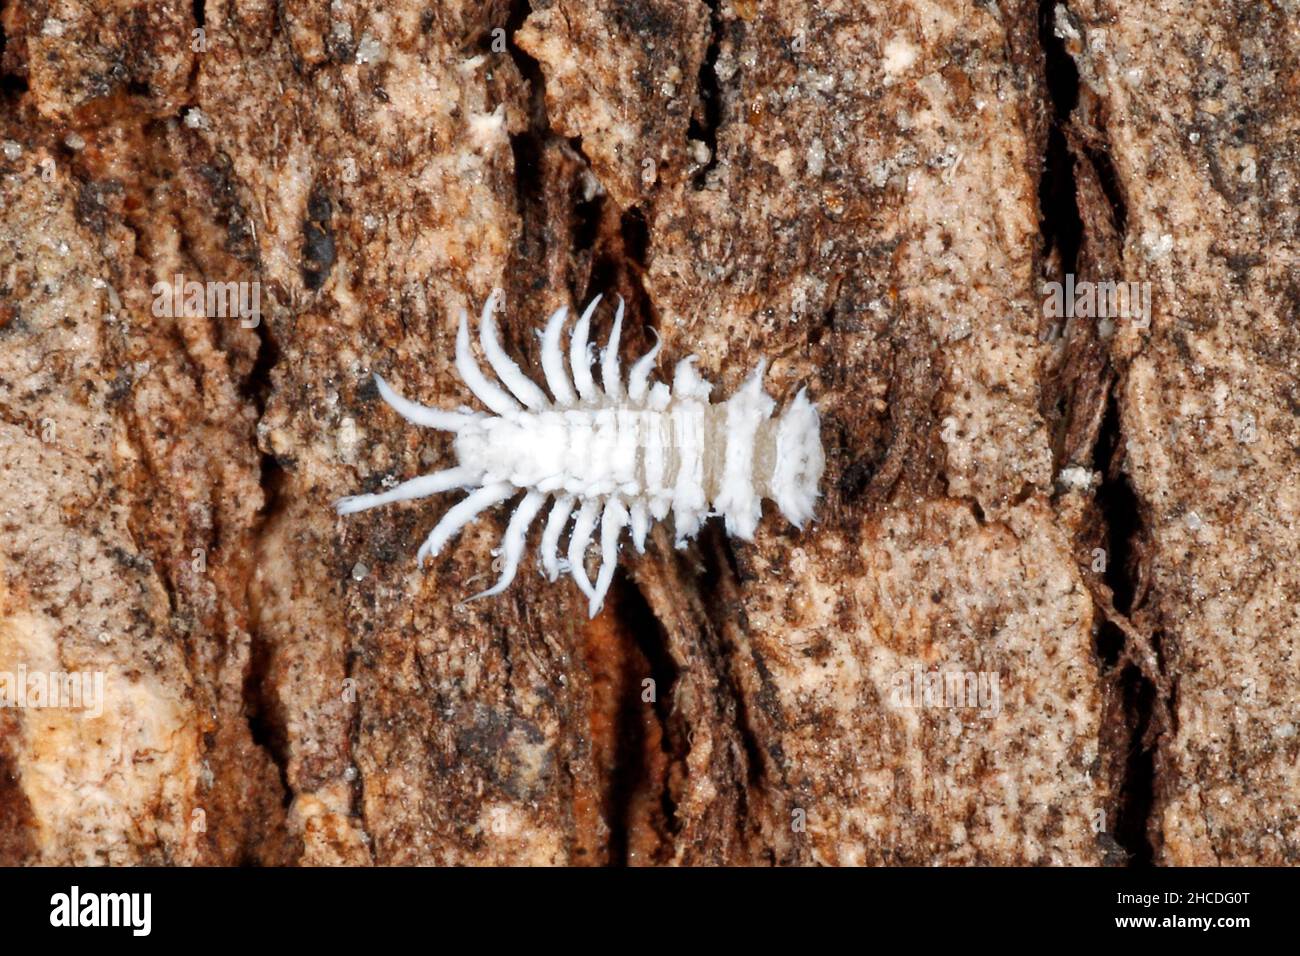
pixel 617 456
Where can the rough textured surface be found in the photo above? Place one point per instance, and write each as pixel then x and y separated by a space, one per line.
pixel 1094 519
pixel 1198 107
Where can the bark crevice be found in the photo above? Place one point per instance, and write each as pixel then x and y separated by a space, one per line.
pixel 707 116
pixel 1129 658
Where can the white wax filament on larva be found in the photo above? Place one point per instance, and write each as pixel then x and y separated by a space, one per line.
pixel 610 456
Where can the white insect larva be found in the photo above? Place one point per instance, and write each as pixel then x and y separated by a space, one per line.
pixel 615 456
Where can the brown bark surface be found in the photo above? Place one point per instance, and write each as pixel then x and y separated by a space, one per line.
pixel 1099 515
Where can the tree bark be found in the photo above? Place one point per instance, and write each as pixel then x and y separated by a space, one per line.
pixel 1093 519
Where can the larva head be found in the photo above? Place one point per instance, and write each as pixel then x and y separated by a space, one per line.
pixel 799 460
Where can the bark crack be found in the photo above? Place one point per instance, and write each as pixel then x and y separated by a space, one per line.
pixel 707 116
pixel 1130 657
pixel 266 721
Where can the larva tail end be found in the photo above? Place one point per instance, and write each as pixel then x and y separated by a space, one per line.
pixel 800 460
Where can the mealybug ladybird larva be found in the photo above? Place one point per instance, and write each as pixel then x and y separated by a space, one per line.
pixel 616 455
